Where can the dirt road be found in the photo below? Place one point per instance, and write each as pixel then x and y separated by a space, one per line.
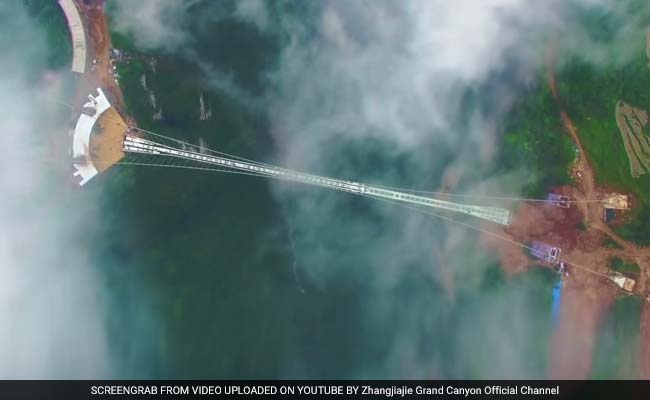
pixel 587 302
pixel 98 44
pixel 588 293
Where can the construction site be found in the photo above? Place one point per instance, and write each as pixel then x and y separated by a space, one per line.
pixel 100 127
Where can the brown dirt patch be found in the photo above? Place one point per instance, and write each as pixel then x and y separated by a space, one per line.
pixel 540 221
pixel 513 258
pixel 106 140
pixel 580 232
pixel 99 45
pixel 591 240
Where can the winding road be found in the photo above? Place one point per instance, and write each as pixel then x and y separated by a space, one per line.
pixel 591 303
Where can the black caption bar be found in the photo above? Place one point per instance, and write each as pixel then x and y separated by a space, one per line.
pixel 618 390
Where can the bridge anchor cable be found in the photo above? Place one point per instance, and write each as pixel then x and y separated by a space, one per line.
pixel 178 150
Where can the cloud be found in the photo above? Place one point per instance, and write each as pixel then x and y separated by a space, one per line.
pixel 160 24
pixel 410 93
pixel 52 300
pixel 405 94
pixel 402 72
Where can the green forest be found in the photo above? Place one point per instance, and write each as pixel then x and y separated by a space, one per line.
pixel 51 20
pixel 534 136
pixel 591 95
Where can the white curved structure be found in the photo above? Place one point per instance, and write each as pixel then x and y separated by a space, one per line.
pixel 83 163
pixel 78 35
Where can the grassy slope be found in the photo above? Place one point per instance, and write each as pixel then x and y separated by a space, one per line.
pixel 591 96
pixel 618 264
pixel 590 93
pixel 534 138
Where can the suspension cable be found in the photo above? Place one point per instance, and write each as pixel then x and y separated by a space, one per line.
pixel 258 163
pixel 490 233
pixel 420 210
pixel 227 171
pixel 482 196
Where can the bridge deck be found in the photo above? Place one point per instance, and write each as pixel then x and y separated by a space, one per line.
pixel 134 144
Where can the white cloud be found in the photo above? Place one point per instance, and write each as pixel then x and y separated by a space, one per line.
pixel 52 300
pixel 428 83
pixel 153 23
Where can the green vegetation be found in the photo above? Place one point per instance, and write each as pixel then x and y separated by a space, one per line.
pixel 612 244
pixel 617 264
pixel 535 138
pixel 616 351
pixel 122 41
pixel 51 20
pixel 591 95
pixel 213 250
pixel 218 279
pixel 129 78
pixel 582 226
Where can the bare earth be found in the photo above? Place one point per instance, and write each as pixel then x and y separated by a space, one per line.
pixel 106 141
pixel 107 138
pixel 99 44
pixel 598 297
pixel 587 295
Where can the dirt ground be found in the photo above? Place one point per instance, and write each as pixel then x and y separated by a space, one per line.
pixel 106 140
pixel 597 294
pixel 99 44
pixel 580 232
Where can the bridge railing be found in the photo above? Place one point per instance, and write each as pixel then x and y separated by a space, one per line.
pixel 139 145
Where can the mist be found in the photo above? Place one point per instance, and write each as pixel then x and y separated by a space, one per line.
pixel 52 299
pixel 411 94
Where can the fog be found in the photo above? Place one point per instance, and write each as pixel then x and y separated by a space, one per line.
pixel 412 94
pixel 52 301
pixel 409 93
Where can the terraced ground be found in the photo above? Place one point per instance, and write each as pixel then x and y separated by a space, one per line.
pixel 593 97
pixel 631 122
